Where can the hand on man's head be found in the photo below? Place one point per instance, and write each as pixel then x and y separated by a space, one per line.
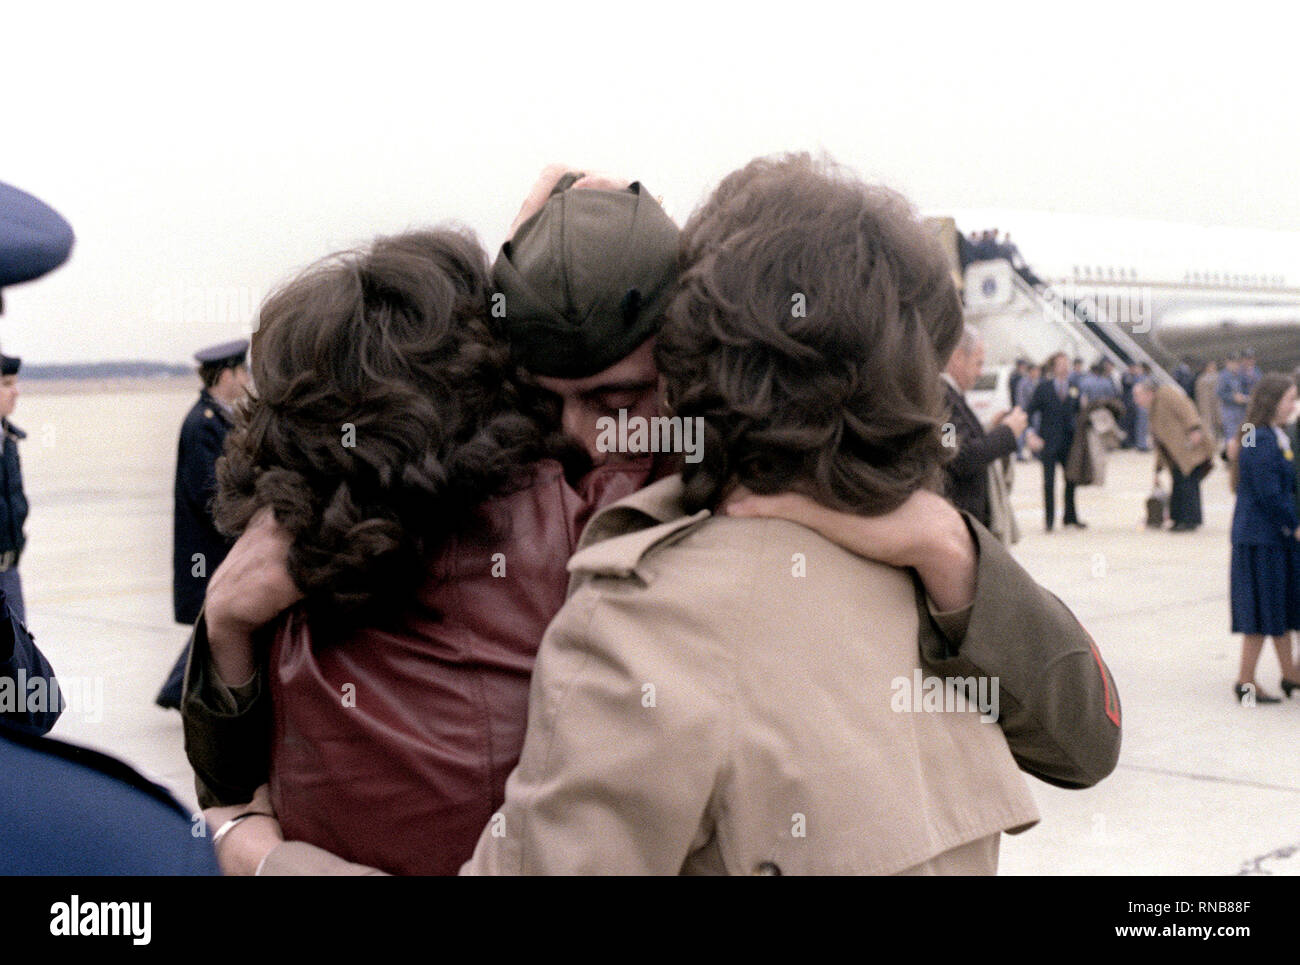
pixel 550 177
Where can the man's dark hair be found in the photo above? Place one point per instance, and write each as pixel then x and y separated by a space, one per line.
pixel 386 411
pixel 210 372
pixel 807 330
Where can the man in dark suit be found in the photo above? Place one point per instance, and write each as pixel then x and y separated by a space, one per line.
pixel 198 548
pixel 966 477
pixel 1056 403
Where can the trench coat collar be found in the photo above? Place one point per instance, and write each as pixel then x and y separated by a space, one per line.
pixel 620 535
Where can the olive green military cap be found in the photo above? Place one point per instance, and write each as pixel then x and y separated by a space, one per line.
pixel 586 279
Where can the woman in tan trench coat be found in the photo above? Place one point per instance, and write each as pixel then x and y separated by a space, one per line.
pixel 740 695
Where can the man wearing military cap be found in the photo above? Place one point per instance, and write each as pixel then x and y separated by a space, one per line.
pixel 585 277
pixel 198 548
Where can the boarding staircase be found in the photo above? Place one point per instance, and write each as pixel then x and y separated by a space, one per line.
pixel 1019 318
pixel 1088 318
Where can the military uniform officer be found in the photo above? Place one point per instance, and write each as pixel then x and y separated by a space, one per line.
pixel 13 501
pixel 198 548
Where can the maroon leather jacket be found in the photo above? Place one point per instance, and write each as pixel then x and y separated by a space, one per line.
pixel 392 749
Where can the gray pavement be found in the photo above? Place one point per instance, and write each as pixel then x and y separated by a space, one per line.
pixel 1203 786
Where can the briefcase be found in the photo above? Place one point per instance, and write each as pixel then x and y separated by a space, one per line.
pixel 1157 508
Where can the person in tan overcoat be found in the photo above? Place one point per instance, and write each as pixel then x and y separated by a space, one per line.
pixel 1183 446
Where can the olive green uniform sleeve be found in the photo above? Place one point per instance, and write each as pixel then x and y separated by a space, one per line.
pixel 1060 708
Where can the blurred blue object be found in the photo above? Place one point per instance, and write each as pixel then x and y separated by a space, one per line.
pixel 34 238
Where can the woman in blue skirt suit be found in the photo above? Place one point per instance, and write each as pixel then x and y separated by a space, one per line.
pixel 1266 537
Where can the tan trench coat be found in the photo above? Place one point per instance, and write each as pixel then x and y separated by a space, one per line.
pixel 1173 417
pixel 722 696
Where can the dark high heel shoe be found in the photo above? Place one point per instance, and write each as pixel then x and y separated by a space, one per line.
pixel 1288 686
pixel 1255 695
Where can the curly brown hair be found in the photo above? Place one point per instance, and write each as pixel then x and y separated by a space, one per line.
pixel 813 314
pixel 385 411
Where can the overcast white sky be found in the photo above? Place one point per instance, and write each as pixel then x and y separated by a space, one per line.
pixel 203 153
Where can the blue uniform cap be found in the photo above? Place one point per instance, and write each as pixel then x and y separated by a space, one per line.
pixel 231 353
pixel 34 238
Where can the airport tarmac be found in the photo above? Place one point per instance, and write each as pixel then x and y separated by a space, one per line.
pixel 1203 786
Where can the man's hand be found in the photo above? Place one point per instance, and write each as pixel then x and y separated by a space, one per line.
pixel 244 846
pixel 925 533
pixel 1016 421
pixel 249 589
pixel 1035 442
pixel 549 178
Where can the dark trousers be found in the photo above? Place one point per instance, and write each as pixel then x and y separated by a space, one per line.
pixel 1185 497
pixel 1049 492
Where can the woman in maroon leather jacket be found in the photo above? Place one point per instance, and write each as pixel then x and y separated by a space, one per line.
pixel 394 439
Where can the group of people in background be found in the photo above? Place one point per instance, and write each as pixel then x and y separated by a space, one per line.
pixel 993 245
pixel 1229 409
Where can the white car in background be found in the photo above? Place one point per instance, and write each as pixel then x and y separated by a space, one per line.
pixel 992 393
